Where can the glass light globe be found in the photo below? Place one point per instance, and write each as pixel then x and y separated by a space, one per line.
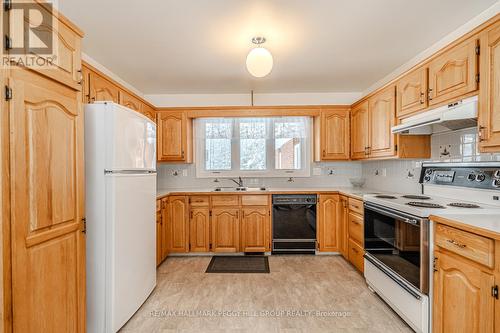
pixel 259 62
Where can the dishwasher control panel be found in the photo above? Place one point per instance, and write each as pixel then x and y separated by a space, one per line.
pixel 294 199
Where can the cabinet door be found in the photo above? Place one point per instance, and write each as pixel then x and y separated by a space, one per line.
pixel 453 73
pixel 101 89
pixel 412 92
pixel 255 229
pixel 335 134
pixel 382 108
pixel 85 85
pixel 360 131
pixel 328 228
pixel 149 112
pixel 130 101
pixel 47 205
pixel 159 238
pixel 178 224
pixel 165 232
pixel 343 227
pixel 199 230
pixel 462 296
pixel 489 94
pixel 172 136
pixel 225 229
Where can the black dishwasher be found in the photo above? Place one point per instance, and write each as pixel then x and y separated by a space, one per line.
pixel 294 224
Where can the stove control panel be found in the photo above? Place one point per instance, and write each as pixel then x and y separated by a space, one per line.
pixel 474 175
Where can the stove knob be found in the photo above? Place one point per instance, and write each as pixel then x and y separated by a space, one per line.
pixel 480 177
pixel 496 183
pixel 471 177
pixel 497 174
pixel 429 172
pixel 427 178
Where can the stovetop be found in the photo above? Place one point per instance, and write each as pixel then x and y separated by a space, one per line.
pixel 425 205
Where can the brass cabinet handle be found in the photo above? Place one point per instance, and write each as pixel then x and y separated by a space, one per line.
pixel 430 94
pixel 355 250
pixel 422 94
pixel 80 81
pixel 454 242
pixel 481 133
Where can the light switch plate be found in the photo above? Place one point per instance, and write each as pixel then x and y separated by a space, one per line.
pixel 184 172
pixel 316 171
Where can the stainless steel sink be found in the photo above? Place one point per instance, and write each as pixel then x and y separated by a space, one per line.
pixel 240 189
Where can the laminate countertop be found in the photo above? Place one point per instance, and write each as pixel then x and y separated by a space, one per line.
pixel 485 224
pixel 354 192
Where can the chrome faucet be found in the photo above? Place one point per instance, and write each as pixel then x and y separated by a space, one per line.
pixel 238 182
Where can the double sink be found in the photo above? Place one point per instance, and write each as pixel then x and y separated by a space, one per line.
pixel 240 189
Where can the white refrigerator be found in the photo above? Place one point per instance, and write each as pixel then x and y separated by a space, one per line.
pixel 120 167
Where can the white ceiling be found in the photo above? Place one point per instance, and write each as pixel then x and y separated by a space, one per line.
pixel 200 46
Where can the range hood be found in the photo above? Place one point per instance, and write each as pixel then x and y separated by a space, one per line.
pixel 454 116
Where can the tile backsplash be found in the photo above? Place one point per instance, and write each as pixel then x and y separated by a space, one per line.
pixel 385 175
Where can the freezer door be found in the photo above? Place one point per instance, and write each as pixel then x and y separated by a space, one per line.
pixel 130 139
pixel 131 245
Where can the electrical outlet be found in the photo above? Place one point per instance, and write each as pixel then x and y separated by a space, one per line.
pixel 384 172
pixel 184 173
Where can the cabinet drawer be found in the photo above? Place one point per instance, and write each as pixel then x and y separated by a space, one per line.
pixel 356 206
pixel 355 227
pixel 474 247
pixel 254 200
pixel 199 201
pixel 356 253
pixel 225 200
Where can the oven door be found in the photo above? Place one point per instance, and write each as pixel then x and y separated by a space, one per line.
pixel 397 243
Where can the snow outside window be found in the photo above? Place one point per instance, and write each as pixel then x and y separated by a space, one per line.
pixel 253 147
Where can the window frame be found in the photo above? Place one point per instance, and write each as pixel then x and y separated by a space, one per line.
pixel 271 171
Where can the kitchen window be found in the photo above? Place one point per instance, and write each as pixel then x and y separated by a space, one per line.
pixel 253 147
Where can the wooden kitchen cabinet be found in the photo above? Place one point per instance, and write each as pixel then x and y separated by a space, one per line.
pixel 343 219
pixel 199 230
pixel 411 93
pixel 355 233
pixel 225 229
pixel 255 229
pixel 453 73
pixel 463 300
pixel 174 139
pixel 489 93
pixel 178 224
pixel 159 233
pixel 328 225
pixel 149 112
pixel 360 131
pixel 47 205
pixel 382 110
pixel 165 223
pixel 102 89
pixel 334 135
pixel 129 101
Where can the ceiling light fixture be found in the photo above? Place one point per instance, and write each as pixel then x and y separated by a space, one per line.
pixel 259 60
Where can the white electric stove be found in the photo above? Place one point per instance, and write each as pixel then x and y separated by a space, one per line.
pixel 398 236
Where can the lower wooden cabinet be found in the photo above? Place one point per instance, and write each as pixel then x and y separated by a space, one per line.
pixel 159 233
pixel 355 233
pixel 165 220
pixel 343 225
pixel 225 229
pixel 178 224
pixel 356 253
pixel 463 299
pixel 255 229
pixel 199 230
pixel 328 230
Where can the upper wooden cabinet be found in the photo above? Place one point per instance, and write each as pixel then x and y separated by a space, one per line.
pixel 454 73
pixel 412 92
pixel 489 93
pixel 360 131
pixel 382 110
pixel 174 139
pixel 149 112
pixel 130 101
pixel 178 224
pixel 334 135
pixel 101 89
pixel 255 229
pixel 328 225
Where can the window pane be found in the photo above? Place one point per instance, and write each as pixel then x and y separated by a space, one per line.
pixel 252 145
pixel 218 145
pixel 288 144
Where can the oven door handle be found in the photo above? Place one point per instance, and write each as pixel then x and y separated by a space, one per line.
pixel 387 271
pixel 389 213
